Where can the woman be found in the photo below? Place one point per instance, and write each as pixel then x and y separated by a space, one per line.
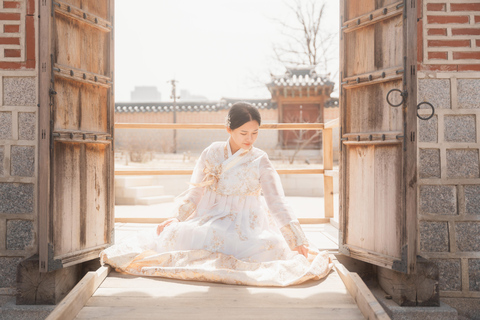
pixel 225 231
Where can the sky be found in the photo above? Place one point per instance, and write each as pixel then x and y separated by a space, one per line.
pixel 214 48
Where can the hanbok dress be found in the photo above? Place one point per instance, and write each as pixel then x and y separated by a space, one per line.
pixel 234 227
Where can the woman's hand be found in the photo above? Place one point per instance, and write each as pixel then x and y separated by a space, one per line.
pixel 165 223
pixel 302 250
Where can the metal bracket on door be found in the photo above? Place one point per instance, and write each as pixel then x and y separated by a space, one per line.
pixel 431 106
pixel 403 94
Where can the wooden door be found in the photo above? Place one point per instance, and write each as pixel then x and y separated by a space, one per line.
pixel 378 149
pixel 301 113
pixel 76 199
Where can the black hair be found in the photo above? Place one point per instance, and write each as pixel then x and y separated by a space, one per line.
pixel 241 113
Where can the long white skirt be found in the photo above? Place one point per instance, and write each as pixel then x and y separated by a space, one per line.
pixel 229 239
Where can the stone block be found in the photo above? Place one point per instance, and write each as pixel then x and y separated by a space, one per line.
pixel 429 163
pixel 450 274
pixel 19 234
pixel 460 128
pixel 2 156
pixel 16 197
pixel 27 123
pixel 5 125
pixel 462 163
pixel 435 91
pixel 22 161
pixel 468 91
pixel 428 130
pixel 472 199
pixel 474 274
pixel 8 271
pixel 19 91
pixel 467 235
pixel 438 199
pixel 467 307
pixel 434 236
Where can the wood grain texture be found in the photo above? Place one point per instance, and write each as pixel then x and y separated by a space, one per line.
pixel 367 303
pixel 129 297
pixel 77 220
pixel 69 307
pixel 373 172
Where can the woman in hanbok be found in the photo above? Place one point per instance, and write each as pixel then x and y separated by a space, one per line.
pixel 233 224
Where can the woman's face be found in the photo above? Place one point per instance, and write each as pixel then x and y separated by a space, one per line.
pixel 244 136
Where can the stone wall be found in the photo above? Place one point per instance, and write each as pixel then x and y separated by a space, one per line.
pixel 18 138
pixel 449 143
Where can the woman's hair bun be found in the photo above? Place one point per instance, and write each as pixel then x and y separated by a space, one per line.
pixel 241 113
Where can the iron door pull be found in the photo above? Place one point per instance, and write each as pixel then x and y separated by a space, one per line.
pixel 403 94
pixel 430 116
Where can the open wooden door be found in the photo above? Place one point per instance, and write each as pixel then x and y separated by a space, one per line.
pixel 76 199
pixel 378 144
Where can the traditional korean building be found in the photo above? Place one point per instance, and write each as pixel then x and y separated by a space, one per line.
pixel 302 95
pixel 307 100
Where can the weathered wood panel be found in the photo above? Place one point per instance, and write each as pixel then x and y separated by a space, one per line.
pixel 374 160
pixel 77 220
pixel 81 46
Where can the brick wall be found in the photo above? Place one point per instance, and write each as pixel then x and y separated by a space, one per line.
pixel 449 143
pixel 449 35
pixel 18 138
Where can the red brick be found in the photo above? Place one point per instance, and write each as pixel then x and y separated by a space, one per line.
pixel 477 42
pixel 437 55
pixel 9 16
pixel 12 53
pixel 30 64
pixel 437 32
pixel 465 7
pixel 419 41
pixel 469 67
pixel 11 28
pixel 447 19
pixel 30 37
pixel 30 7
pixel 439 67
pixel 436 7
pixel 477 19
pixel 11 5
pixel 466 55
pixel 9 40
pixel 449 43
pixel 466 31
pixel 10 65
pixel 419 9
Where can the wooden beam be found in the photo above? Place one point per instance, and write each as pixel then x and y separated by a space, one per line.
pixel 71 305
pixel 181 172
pixel 328 165
pixel 160 220
pixel 216 126
pixel 366 302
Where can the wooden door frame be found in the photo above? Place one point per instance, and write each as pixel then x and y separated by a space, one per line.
pixel 407 264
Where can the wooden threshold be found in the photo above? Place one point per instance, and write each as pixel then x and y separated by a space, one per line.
pixel 364 298
pixel 160 220
pixel 76 299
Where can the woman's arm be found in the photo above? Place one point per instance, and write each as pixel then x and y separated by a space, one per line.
pixel 279 208
pixel 194 193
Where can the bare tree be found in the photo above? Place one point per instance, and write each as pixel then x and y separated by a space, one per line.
pixel 300 137
pixel 307 40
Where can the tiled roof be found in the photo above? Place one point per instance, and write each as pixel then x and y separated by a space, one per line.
pixel 189 106
pixel 300 77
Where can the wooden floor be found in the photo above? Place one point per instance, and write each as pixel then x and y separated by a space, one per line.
pixel 130 297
